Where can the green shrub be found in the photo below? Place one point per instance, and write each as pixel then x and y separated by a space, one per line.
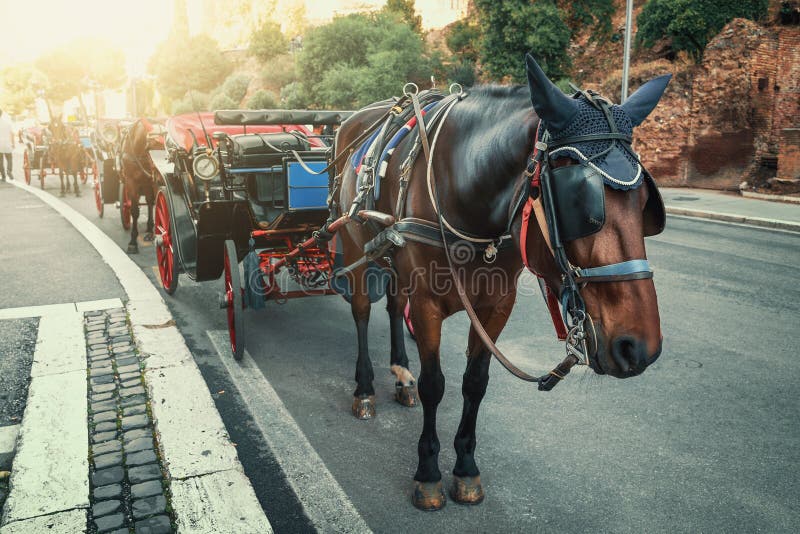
pixel 191 101
pixel 235 86
pixel 222 101
pixel 462 72
pixel 690 24
pixel 262 99
pixel 293 96
pixel 279 71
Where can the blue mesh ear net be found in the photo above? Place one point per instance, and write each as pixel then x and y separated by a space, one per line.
pixel 618 164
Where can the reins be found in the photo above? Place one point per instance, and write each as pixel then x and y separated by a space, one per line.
pixel 545 382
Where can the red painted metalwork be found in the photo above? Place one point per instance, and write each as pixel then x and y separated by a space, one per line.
pixel 181 127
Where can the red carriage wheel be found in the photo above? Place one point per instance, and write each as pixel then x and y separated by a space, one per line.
pixel 98 197
pixel 95 174
pixel 233 300
pixel 165 254
pixel 125 208
pixel 26 167
pixel 407 320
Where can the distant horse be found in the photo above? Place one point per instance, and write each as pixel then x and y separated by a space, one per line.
pixel 138 174
pixel 480 175
pixel 67 154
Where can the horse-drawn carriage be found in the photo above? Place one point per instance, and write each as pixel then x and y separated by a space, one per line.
pixel 246 184
pixel 35 151
pixel 519 178
pixel 126 170
pixel 63 152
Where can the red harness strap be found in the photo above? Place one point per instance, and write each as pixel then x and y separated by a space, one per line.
pixel 550 298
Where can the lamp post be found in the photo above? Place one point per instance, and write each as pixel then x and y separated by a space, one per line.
pixel 626 58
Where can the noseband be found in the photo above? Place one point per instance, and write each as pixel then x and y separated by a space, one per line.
pixel 573 206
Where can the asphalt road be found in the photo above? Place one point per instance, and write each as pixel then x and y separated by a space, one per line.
pixel 704 441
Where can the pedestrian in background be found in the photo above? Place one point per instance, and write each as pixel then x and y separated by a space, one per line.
pixel 6 145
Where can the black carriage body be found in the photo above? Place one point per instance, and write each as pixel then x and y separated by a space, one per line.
pixel 261 190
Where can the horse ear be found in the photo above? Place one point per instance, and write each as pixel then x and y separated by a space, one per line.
pixel 548 101
pixel 639 105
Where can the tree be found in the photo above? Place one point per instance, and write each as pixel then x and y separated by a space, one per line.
pixel 582 14
pixel 372 58
pixel 18 90
pixel 690 24
pixel 511 28
pixel 407 12
pixel 181 64
pixel 268 41
pixel 463 39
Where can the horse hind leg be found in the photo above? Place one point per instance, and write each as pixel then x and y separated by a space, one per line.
pixel 405 384
pixel 75 186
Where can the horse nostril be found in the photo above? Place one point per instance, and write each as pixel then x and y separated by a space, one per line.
pixel 629 354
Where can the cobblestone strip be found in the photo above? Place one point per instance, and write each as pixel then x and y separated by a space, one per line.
pixel 129 493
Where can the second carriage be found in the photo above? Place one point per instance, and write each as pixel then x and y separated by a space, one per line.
pixel 252 186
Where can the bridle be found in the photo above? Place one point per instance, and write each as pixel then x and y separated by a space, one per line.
pixel 542 187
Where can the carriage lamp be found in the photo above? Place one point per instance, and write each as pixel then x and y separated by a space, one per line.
pixel 205 166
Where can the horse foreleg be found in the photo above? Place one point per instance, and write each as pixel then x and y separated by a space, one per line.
pixel 148 235
pixel 364 395
pixel 467 488
pixel 427 318
pixel 133 245
pixel 76 187
pixel 61 179
pixel 405 385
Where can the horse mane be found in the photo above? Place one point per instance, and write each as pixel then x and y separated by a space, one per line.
pixel 496 123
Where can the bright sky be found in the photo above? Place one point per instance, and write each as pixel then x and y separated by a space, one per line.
pixel 30 28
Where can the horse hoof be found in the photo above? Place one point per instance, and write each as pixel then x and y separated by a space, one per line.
pixel 364 407
pixel 406 395
pixel 62 194
pixel 133 249
pixel 467 490
pixel 428 496
pixel 149 236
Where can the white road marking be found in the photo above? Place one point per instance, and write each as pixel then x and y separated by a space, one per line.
pixel 223 488
pixel 8 439
pixel 323 499
pixel 71 522
pixel 47 309
pixel 51 465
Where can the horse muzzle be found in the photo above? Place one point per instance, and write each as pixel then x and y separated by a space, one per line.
pixel 624 357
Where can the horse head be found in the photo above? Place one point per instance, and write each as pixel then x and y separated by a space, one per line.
pixel 600 203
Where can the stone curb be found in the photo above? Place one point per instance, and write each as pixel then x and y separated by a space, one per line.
pixel 760 222
pixel 771 198
pixel 189 429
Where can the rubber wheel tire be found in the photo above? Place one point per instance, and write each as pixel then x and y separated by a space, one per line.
pixel 165 253
pixel 26 167
pixel 407 320
pixel 98 196
pixel 234 297
pixel 125 208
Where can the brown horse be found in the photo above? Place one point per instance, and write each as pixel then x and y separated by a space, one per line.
pixel 67 155
pixel 137 173
pixel 480 173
